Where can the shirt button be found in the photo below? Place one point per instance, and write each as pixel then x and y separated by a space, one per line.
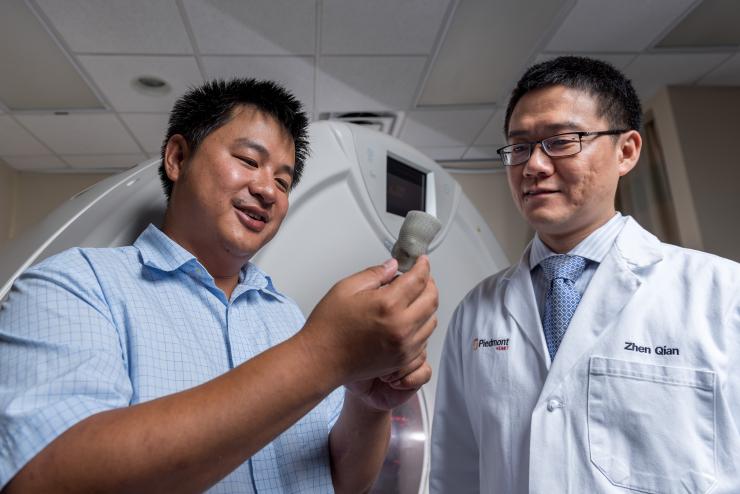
pixel 553 405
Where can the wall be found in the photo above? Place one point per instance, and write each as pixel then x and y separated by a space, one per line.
pixel 708 121
pixel 8 179
pixel 489 193
pixel 660 110
pixel 698 128
pixel 35 195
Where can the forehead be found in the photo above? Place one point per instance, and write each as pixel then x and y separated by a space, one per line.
pixel 245 118
pixel 247 121
pixel 555 108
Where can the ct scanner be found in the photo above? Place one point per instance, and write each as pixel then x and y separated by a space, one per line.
pixel 344 216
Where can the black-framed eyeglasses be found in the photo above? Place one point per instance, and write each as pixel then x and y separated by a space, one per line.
pixel 557 146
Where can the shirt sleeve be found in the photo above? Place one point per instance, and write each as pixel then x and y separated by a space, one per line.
pixel 61 358
pixel 454 449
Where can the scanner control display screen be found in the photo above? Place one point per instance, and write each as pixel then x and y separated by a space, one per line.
pixel 405 188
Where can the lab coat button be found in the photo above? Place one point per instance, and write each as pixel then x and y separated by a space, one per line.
pixel 553 405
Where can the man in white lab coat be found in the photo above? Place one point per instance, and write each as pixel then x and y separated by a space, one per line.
pixel 604 360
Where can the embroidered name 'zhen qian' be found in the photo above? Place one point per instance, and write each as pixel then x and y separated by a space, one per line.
pixel 658 350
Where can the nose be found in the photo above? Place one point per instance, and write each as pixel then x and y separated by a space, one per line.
pixel 538 163
pixel 262 186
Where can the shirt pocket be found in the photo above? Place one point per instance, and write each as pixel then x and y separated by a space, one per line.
pixel 651 427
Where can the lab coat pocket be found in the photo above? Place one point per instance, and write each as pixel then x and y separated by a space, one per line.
pixel 651 427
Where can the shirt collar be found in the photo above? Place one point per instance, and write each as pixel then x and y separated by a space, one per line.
pixel 160 252
pixel 253 278
pixel 594 247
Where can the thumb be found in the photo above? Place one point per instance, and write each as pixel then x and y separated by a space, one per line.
pixel 373 277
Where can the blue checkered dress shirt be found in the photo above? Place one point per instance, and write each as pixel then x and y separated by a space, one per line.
pixel 89 330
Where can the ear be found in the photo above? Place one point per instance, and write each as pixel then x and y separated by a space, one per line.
pixel 176 155
pixel 630 145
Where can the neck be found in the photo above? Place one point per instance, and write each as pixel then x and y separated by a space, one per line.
pixel 227 285
pixel 224 268
pixel 562 243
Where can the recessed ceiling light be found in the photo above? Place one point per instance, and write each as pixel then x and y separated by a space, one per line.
pixel 151 85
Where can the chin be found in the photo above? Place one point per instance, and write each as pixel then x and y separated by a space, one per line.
pixel 543 217
pixel 237 245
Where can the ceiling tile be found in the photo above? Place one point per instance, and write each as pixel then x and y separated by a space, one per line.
pixel 712 23
pixel 295 73
pixel 15 140
pixel 443 153
pixel 493 132
pixel 256 27
pixel 439 128
pixel 368 83
pixel 651 72
pixel 36 73
pixel 486 48
pixel 727 74
pixel 35 163
pixel 381 27
pixel 619 29
pixel 101 161
pixel 134 26
pixel 116 76
pixel 481 153
pixel 149 128
pixel 81 133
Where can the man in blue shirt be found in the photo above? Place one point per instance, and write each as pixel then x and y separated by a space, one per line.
pixel 175 365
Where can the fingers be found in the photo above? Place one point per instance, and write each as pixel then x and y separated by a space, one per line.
pixel 426 303
pixel 415 379
pixel 424 331
pixel 374 331
pixel 408 286
pixel 372 277
pixel 406 369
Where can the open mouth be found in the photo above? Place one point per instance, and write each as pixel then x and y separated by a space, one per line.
pixel 255 216
pixel 532 193
pixel 253 220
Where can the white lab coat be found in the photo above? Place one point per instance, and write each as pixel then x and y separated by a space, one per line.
pixel 607 416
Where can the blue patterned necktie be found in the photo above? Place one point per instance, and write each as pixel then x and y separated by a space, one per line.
pixel 561 271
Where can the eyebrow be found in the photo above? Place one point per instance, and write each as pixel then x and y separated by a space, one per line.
pixel 555 128
pixel 248 143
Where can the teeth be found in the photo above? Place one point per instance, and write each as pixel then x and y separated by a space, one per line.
pixel 256 217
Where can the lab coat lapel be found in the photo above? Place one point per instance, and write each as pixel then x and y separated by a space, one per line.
pixel 611 288
pixel 522 307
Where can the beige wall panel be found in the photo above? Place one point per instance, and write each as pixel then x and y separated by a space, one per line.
pixel 676 170
pixel 708 123
pixel 38 194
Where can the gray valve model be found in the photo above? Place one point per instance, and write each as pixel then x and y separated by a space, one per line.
pixel 417 232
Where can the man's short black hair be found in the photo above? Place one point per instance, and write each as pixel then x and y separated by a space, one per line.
pixel 203 109
pixel 615 96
